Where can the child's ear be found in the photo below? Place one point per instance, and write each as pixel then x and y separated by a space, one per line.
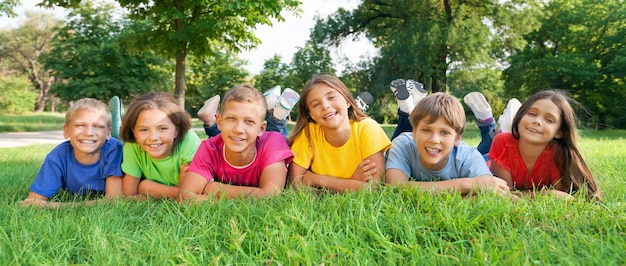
pixel 66 132
pixel 558 135
pixel 457 141
pixel 263 127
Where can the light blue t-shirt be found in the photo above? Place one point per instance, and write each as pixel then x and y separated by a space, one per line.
pixel 463 161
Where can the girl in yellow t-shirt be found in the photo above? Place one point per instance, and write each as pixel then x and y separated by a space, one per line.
pixel 335 145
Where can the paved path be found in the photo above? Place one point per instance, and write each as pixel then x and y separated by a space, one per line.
pixel 8 140
pixel 18 139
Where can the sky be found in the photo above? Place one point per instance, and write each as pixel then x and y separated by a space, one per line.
pixel 282 38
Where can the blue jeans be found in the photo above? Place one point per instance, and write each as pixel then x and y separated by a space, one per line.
pixel 404 125
pixel 273 124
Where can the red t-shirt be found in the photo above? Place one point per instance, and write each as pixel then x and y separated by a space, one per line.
pixel 505 152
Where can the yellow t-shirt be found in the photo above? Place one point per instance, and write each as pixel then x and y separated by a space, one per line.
pixel 366 138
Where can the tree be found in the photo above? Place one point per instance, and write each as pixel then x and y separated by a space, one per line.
pixel 309 61
pixel 23 48
pixel 6 7
pixel 198 27
pixel 89 57
pixel 274 72
pixel 579 48
pixel 213 75
pixel 421 39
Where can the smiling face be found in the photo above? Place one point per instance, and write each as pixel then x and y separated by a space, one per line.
pixel 155 133
pixel 87 131
pixel 241 123
pixel 435 141
pixel 541 123
pixel 328 107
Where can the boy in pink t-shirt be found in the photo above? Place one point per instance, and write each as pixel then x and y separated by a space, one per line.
pixel 244 160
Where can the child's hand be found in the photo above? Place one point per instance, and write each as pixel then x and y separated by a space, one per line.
pixel 365 172
pixel 183 171
pixel 34 202
pixel 559 194
pixel 491 183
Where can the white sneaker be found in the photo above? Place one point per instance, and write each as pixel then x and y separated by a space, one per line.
pixel 272 96
pixel 209 110
pixel 416 90
pixel 479 106
pixel 287 101
pixel 364 100
pixel 506 119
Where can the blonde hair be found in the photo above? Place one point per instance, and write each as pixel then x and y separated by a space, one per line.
pixel 155 100
pixel 439 105
pixel 354 113
pixel 91 105
pixel 246 94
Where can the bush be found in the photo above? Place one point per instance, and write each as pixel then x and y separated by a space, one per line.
pixel 16 95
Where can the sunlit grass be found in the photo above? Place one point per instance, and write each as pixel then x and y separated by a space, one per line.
pixel 385 227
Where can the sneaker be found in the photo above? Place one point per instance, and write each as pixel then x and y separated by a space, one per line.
pixel 416 90
pixel 115 108
pixel 479 106
pixel 209 110
pixel 272 96
pixel 287 101
pixel 399 89
pixel 506 119
pixel 364 100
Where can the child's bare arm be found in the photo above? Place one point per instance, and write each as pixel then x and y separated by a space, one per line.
pixel 113 187
pixel 371 168
pixel 272 182
pixel 130 184
pixel 191 188
pixel 503 174
pixel 157 190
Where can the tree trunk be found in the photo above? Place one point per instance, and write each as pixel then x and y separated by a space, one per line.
pixel 179 87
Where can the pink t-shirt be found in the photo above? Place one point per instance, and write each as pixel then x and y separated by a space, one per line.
pixel 505 152
pixel 209 160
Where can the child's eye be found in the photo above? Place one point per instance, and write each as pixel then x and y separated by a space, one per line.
pixel 444 133
pixel 425 130
pixel 531 114
pixel 250 122
pixel 550 120
pixel 163 128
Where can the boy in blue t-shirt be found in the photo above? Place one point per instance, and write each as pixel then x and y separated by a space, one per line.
pixel 89 162
pixel 433 157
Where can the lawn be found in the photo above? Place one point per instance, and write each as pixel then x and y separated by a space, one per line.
pixel 388 226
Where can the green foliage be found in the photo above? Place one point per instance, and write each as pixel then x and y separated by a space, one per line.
pixel 16 95
pixel 487 80
pixel 213 75
pixel 89 58
pixel 274 72
pixel 308 62
pixel 23 48
pixel 579 48
pixel 384 227
pixel 420 39
pixel 6 7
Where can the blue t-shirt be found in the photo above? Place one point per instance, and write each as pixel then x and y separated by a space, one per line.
pixel 463 161
pixel 60 169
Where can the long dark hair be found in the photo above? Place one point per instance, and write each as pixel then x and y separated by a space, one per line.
pixel 575 173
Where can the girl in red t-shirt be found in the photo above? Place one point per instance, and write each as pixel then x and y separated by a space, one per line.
pixel 541 151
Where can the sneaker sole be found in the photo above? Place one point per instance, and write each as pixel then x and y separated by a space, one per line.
pixel 399 89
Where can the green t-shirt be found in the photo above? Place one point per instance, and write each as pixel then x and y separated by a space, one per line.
pixel 136 162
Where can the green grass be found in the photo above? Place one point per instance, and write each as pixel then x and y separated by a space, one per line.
pixel 388 226
pixel 32 122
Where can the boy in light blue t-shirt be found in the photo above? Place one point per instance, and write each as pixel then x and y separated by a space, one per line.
pixel 433 157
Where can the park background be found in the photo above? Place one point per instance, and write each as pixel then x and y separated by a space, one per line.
pixel 503 49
